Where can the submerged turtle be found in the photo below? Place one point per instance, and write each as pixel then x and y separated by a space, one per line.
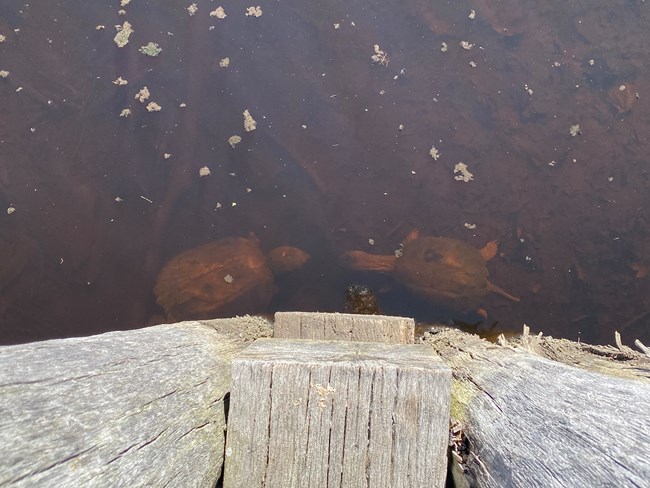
pixel 443 270
pixel 222 278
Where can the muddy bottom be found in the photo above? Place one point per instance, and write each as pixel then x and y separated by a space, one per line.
pixel 364 112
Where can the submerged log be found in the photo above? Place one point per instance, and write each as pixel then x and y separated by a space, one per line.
pixel 521 419
pixel 131 408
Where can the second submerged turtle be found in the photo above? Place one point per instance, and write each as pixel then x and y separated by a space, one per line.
pixel 443 270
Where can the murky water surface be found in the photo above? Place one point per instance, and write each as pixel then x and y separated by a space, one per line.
pixel 546 103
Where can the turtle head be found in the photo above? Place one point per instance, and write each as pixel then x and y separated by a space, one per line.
pixel 286 258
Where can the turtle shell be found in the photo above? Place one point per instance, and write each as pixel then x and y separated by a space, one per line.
pixel 222 278
pixel 443 270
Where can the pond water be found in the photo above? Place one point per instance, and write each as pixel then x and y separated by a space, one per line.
pixel 546 103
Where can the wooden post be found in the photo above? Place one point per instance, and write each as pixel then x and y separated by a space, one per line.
pixel 331 414
pixel 131 408
pixel 524 420
pixel 342 326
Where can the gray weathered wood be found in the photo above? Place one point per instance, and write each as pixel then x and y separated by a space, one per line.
pixel 620 361
pixel 342 326
pixel 334 414
pixel 531 421
pixel 132 408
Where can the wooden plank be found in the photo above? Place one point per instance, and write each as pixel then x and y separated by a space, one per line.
pixel 342 326
pixel 530 421
pixel 620 361
pixel 133 408
pixel 332 414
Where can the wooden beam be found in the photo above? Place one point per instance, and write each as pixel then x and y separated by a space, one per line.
pixel 342 326
pixel 132 408
pixel 337 414
pixel 525 420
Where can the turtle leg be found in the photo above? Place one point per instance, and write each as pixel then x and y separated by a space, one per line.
pixel 368 262
pixel 413 235
pixel 489 250
pixel 497 289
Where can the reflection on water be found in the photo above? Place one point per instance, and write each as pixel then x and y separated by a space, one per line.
pixel 340 159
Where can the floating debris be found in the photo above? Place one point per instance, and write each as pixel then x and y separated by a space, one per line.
pixel 528 89
pixel 469 226
pixel 11 209
pixel 219 13
pixel 119 199
pixel 204 171
pixel 472 64
pixel 574 130
pixel 228 279
pixel 623 97
pixel 249 122
pixel 121 12
pixel 4 73
pixel 234 140
pixel 466 45
pixel 337 26
pixel 371 242
pixel 123 33
pixel 254 11
pixel 434 153
pixel 463 173
pixel 146 199
pixel 380 56
pixel 100 27
pixel 125 112
pixel 2 38
pixel 167 155
pixel 120 81
pixel 153 107
pixel 143 94
pixel 472 14
pixel 192 9
pixel 224 63
pixel 124 3
pixel 552 163
pixel 151 49
pixel 444 47
pixel 399 252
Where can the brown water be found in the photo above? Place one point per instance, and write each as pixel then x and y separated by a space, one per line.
pixel 340 155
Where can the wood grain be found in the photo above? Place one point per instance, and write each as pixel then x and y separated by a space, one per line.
pixel 341 326
pixel 333 414
pixel 530 421
pixel 132 408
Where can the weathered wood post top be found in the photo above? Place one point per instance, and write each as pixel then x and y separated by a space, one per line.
pixel 307 413
pixel 344 326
